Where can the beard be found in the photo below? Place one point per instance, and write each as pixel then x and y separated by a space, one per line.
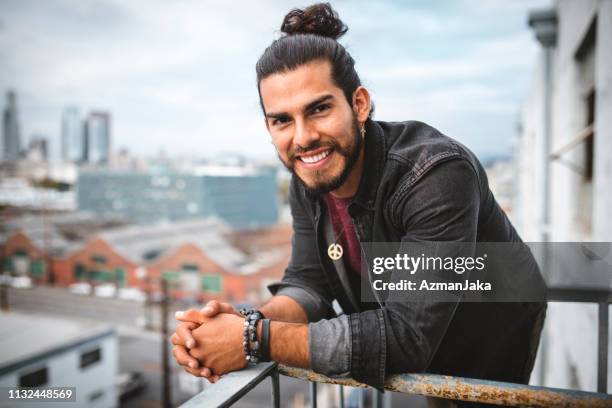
pixel 322 182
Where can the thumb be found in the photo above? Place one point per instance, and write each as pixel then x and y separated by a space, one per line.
pixel 214 307
pixel 190 315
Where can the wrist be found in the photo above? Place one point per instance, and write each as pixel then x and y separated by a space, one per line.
pixel 253 332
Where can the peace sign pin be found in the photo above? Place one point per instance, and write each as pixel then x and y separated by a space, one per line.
pixel 334 251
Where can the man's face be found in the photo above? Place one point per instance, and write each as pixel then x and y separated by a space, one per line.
pixel 312 125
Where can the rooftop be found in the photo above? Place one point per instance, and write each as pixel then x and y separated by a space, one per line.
pixel 145 243
pixel 20 334
pixel 60 232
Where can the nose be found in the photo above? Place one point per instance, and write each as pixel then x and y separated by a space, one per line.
pixel 305 135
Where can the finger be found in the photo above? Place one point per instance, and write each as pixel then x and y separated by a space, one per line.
pixel 183 358
pixel 205 373
pixel 229 308
pixel 214 376
pixel 211 377
pixel 215 307
pixel 191 315
pixel 192 371
pixel 212 308
pixel 176 340
pixel 183 332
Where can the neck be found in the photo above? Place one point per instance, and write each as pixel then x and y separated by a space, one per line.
pixel 350 186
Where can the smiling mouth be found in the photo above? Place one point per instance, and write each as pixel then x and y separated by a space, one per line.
pixel 315 158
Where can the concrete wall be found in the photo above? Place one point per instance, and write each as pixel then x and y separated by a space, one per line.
pixel 581 209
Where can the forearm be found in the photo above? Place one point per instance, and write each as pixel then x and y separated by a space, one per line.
pixel 284 309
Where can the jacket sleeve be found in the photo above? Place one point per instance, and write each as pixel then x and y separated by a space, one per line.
pixel 402 337
pixel 304 279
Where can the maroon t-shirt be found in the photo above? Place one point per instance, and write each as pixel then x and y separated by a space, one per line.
pixel 341 220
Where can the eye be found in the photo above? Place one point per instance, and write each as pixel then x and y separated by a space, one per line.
pixel 321 108
pixel 281 120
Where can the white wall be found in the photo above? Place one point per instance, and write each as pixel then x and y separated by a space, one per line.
pixel 64 371
pixel 571 329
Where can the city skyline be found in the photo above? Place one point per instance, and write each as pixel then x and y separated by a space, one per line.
pixel 194 81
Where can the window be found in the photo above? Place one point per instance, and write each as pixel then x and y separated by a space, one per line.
pixel 152 254
pixel 584 197
pixel 20 252
pixel 588 143
pixel 211 284
pixel 98 259
pixel 79 272
pixel 190 267
pixel 100 275
pixel 7 264
pixel 35 378
pixel 171 276
pixel 90 357
pixel 96 395
pixel 37 268
pixel 173 279
pixel 120 276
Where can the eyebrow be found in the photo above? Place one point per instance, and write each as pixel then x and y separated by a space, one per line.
pixel 309 106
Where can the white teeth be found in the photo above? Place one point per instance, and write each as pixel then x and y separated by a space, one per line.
pixel 315 158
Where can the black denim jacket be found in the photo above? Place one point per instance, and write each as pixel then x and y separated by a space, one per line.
pixel 417 185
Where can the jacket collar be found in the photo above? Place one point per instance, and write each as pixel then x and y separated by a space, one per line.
pixel 374 163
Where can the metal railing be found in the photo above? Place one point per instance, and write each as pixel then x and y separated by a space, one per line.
pixel 237 384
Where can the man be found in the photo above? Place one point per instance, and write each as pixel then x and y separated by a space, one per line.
pixel 356 180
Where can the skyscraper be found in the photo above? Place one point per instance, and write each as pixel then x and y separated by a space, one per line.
pixel 73 137
pixel 97 138
pixel 11 140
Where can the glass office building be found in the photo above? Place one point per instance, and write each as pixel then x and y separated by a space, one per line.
pixel 243 198
pixel 98 138
pixel 73 137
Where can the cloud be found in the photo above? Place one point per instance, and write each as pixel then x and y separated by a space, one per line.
pixel 180 75
pixel 487 58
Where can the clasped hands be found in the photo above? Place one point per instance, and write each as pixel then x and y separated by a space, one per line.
pixel 208 342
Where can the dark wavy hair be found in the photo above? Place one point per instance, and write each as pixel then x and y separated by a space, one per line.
pixel 311 34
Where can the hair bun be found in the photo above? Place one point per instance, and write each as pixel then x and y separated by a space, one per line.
pixel 319 19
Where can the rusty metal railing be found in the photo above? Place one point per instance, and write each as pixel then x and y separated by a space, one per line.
pixel 472 390
pixel 234 386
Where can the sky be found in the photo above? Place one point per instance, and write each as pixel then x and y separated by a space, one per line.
pixel 179 76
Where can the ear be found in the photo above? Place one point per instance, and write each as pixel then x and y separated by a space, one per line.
pixel 361 104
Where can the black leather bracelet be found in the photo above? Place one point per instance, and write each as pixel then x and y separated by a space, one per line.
pixel 265 340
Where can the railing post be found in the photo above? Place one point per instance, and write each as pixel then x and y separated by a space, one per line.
pixel 602 360
pixel 313 394
pixel 341 389
pixel 380 400
pixel 275 388
pixel 376 399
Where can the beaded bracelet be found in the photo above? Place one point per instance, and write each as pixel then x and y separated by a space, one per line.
pixel 250 344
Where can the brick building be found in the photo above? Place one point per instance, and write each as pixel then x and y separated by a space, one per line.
pixel 201 259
